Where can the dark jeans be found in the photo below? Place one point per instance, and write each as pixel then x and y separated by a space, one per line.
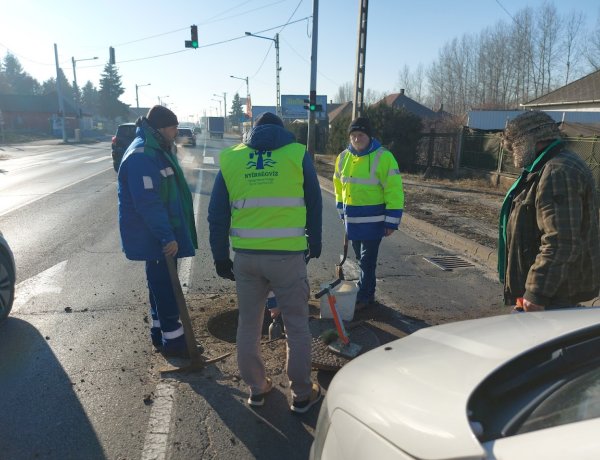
pixel 366 253
pixel 163 306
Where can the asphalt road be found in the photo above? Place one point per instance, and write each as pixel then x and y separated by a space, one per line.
pixel 78 375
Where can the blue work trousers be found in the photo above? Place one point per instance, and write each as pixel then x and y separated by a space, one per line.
pixel 366 253
pixel 163 306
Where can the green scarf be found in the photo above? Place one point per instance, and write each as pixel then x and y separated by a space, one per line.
pixel 507 205
pixel 186 198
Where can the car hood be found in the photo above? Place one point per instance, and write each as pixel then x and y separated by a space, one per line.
pixel 414 391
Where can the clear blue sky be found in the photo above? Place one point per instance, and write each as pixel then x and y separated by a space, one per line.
pixel 149 41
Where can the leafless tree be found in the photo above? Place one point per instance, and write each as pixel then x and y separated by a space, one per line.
pixel 592 46
pixel 572 42
pixel 372 96
pixel 345 93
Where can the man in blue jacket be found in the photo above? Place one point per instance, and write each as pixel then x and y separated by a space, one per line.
pixel 267 199
pixel 156 219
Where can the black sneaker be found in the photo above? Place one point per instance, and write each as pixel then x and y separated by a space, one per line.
pixel 178 352
pixel 301 407
pixel 259 399
pixel 364 304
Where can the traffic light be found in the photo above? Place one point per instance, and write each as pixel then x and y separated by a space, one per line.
pixel 111 54
pixel 194 36
pixel 193 43
pixel 312 106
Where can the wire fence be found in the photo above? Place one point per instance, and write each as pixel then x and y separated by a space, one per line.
pixel 483 152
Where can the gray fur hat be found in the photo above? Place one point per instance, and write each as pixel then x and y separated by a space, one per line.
pixel 529 128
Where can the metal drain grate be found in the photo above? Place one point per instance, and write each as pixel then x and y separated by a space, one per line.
pixel 448 263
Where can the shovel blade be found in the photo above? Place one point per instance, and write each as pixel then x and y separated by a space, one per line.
pixel 349 350
pixel 194 365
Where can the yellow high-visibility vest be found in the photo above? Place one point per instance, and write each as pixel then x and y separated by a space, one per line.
pixel 363 180
pixel 266 195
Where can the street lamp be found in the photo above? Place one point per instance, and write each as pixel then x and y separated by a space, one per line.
pixel 224 96
pixel 75 87
pixel 160 100
pixel 220 108
pixel 247 93
pixel 277 68
pixel 73 60
pixel 137 102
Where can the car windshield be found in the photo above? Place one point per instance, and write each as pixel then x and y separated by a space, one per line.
pixel 184 132
pixel 550 386
pixel 126 131
pixel 576 400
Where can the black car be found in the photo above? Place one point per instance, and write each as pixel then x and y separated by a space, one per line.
pixel 123 137
pixel 7 278
pixel 185 136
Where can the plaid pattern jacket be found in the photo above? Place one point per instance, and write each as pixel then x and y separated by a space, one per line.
pixel 553 241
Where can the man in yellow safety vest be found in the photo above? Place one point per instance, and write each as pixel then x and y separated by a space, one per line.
pixel 267 198
pixel 370 200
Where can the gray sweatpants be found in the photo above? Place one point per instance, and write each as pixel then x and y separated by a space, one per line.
pixel 285 275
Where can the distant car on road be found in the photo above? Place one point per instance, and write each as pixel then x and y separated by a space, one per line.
pixel 186 136
pixel 518 386
pixel 7 278
pixel 121 140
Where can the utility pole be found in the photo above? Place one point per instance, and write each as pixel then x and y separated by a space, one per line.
pixel 225 111
pixel 359 79
pixel 61 105
pixel 137 101
pixel 277 68
pixel 311 135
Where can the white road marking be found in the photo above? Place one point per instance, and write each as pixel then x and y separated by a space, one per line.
pixel 43 195
pixel 209 160
pixel 98 160
pixel 157 436
pixel 75 160
pixel 48 281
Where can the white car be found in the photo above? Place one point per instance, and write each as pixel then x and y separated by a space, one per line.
pixel 7 278
pixel 517 386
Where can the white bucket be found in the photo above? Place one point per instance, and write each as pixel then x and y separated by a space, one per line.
pixel 345 296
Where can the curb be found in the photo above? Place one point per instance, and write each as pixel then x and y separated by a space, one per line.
pixel 483 254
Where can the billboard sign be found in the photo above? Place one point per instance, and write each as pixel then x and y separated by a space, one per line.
pixel 292 106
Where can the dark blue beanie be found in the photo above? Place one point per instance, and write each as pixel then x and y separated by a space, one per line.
pixel 267 118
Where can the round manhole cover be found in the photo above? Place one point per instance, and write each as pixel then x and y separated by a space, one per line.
pixel 223 326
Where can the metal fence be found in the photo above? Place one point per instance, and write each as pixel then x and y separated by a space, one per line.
pixel 483 152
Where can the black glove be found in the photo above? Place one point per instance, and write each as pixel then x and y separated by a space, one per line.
pixel 225 269
pixel 313 252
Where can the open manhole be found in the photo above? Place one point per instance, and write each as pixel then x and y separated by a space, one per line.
pixel 448 263
pixel 223 326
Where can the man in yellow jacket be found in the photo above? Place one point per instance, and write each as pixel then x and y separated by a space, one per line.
pixel 267 199
pixel 370 200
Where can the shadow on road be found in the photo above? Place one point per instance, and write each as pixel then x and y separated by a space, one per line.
pixel 41 416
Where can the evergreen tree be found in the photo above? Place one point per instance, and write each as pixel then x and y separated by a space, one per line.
pixel 90 99
pixel 236 116
pixel 14 80
pixel 110 89
pixel 397 129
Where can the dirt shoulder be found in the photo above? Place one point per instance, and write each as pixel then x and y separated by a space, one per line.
pixel 466 207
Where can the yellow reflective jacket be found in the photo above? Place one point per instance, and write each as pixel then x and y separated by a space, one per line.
pixel 368 192
pixel 266 197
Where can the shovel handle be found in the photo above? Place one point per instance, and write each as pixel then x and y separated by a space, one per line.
pixel 184 316
pixel 324 291
pixel 345 249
